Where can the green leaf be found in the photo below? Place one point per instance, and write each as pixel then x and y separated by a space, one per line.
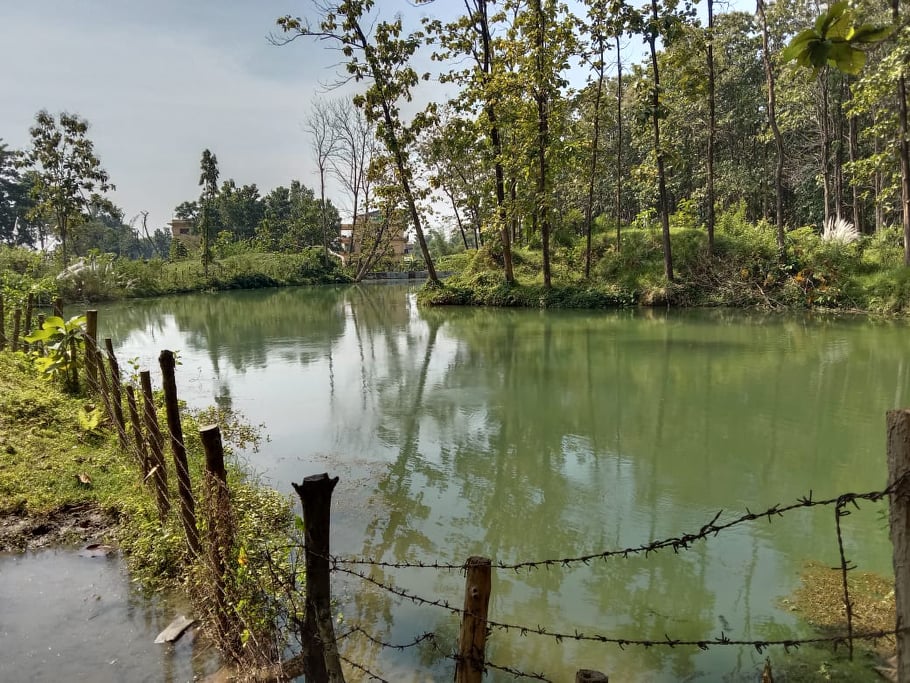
pixel 870 33
pixel 40 335
pixel 799 43
pixel 53 321
pixel 848 59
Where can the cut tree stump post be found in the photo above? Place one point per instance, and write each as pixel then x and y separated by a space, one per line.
pixel 590 676
pixel 320 649
pixel 58 307
pixel 178 448
pixel 29 311
pixel 899 481
pixel 472 643
pixel 141 449
pixel 156 446
pixel 116 392
pixel 17 320
pixel 220 527
pixel 91 349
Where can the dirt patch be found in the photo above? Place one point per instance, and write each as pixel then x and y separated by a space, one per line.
pixel 69 525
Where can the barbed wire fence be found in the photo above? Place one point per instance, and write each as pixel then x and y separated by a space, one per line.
pixel 209 539
pixel 469 656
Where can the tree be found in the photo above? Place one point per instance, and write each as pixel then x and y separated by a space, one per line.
pixel 15 228
pixel 239 209
pixel 357 146
pixel 67 172
pixel 712 126
pixel 384 58
pixel 208 180
pixel 775 129
pixel 485 84
pixel 324 142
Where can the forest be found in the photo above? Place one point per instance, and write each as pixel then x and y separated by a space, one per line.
pixel 666 153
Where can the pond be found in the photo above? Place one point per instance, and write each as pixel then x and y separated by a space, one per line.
pixel 526 435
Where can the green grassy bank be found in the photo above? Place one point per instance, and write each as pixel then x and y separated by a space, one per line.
pixel 744 270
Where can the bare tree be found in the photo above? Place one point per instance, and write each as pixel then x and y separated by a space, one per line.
pixel 319 125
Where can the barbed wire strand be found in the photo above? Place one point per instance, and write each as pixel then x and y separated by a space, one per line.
pixel 676 543
pixel 667 641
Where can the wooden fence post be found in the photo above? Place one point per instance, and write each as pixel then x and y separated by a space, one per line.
pixel 221 532
pixel 91 349
pixel 472 643
pixel 320 648
pixel 58 307
pixel 141 450
pixel 2 324
pixel 184 487
pixel 116 392
pixel 156 446
pixel 29 310
pixel 590 676
pixel 899 478
pixel 17 319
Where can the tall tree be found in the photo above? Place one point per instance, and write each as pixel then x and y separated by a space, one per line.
pixel 208 181
pixel 712 128
pixel 775 129
pixel 384 58
pixel 652 32
pixel 324 143
pixel 67 172
pixel 484 84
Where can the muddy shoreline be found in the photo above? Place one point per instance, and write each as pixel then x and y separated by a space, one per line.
pixel 69 525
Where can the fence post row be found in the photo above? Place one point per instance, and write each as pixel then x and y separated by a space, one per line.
pixel 155 442
pixel 184 487
pixel 320 650
pixel 116 392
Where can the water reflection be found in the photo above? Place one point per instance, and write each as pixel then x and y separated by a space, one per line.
pixel 525 435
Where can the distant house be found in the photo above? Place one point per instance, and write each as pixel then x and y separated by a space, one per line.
pixel 182 230
pixel 395 244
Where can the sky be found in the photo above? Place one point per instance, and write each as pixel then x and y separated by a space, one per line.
pixel 161 81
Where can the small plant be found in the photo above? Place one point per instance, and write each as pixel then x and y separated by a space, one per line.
pixel 839 230
pixel 60 350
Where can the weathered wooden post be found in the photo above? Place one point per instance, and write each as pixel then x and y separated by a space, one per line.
pixel 17 319
pixel 58 307
pixel 116 392
pixel 472 643
pixel 141 450
pixel 29 311
pixel 91 349
pixel 104 388
pixel 156 446
pixel 590 676
pixel 320 649
pixel 899 478
pixel 221 532
pixel 184 487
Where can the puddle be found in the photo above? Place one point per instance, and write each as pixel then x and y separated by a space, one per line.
pixel 65 617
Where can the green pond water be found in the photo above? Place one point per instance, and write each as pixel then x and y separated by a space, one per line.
pixel 527 435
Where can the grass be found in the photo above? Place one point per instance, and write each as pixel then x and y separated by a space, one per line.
pixel 44 449
pixel 744 270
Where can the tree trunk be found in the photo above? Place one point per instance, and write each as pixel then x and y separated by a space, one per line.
pixel 595 141
pixel 655 120
pixel 711 127
pixel 904 146
pixel 775 129
pixel 853 137
pixel 618 146
pixel 541 97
